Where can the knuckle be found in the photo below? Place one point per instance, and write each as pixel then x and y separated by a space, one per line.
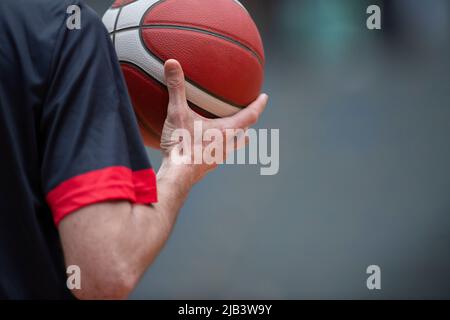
pixel 175 83
pixel 253 117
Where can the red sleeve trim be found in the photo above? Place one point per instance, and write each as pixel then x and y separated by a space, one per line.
pixel 113 183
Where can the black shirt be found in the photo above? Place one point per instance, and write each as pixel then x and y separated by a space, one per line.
pixel 68 138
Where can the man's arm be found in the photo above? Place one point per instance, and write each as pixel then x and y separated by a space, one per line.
pixel 113 243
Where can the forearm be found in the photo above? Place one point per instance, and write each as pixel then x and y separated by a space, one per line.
pixel 115 243
pixel 153 224
pixel 174 184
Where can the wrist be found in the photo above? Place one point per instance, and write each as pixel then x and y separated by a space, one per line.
pixel 181 174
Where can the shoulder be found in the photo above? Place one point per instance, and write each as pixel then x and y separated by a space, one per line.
pixel 36 15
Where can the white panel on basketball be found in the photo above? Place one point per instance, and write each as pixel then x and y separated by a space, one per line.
pixel 131 14
pixel 109 19
pixel 130 49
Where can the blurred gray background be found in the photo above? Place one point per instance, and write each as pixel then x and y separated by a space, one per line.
pixel 364 119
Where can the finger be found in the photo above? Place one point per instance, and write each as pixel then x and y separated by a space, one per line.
pixel 248 116
pixel 175 82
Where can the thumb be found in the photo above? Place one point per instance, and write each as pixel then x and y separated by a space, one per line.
pixel 175 82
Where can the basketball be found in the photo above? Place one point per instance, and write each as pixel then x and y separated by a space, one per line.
pixel 216 42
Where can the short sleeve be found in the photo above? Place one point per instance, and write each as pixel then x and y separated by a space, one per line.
pixel 91 147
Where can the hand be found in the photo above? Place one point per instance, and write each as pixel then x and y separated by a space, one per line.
pixel 180 116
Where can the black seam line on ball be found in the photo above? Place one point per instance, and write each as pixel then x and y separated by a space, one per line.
pixel 191 82
pixel 187 80
pixel 211 33
pixel 139 118
pixel 192 29
pixel 115 26
pixel 121 6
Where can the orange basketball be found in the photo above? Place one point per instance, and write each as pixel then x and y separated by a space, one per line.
pixel 216 42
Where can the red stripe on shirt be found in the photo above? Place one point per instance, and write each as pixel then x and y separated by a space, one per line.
pixel 109 184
